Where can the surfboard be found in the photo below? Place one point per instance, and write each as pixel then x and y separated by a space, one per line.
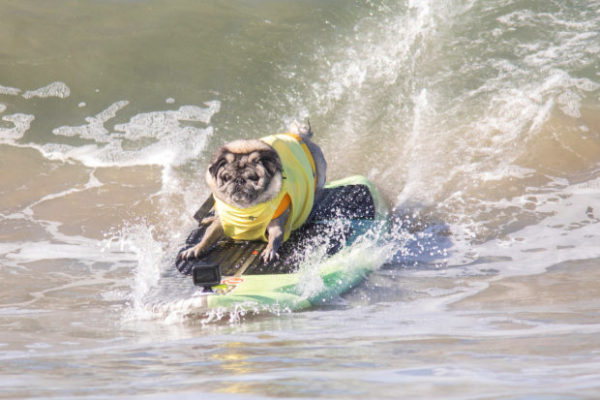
pixel 232 274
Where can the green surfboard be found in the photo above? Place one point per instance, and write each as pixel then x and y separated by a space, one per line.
pixel 330 254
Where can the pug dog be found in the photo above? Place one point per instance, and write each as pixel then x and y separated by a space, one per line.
pixel 248 178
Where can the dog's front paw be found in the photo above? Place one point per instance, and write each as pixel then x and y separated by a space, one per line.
pixel 269 254
pixel 192 252
pixel 208 220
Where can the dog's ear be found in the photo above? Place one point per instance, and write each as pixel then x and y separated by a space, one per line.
pixel 270 160
pixel 222 158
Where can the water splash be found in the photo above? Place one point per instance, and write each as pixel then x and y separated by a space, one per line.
pixel 139 242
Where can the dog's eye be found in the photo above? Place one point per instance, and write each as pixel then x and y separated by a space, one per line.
pixel 253 177
pixel 225 178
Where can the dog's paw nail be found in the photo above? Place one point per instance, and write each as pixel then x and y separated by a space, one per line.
pixel 268 255
pixel 185 255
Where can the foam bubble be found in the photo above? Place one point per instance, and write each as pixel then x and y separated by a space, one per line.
pixel 2 108
pixel 11 91
pixel 21 124
pixel 55 89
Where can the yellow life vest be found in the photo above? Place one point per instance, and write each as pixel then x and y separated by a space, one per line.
pixel 299 178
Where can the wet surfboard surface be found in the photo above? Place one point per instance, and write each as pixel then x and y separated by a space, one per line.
pixel 348 209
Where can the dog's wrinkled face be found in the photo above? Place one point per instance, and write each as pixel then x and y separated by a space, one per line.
pixel 244 173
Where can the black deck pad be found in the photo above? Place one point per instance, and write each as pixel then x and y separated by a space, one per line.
pixel 327 226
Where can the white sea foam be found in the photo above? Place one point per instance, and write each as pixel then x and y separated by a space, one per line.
pixel 94 130
pixel 507 171
pixel 21 124
pixel 76 249
pixel 167 138
pixel 11 91
pixel 9 247
pixel 54 89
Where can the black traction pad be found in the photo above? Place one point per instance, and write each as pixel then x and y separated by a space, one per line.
pixel 327 226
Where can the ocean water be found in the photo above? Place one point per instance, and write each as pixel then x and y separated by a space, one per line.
pixel 479 120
